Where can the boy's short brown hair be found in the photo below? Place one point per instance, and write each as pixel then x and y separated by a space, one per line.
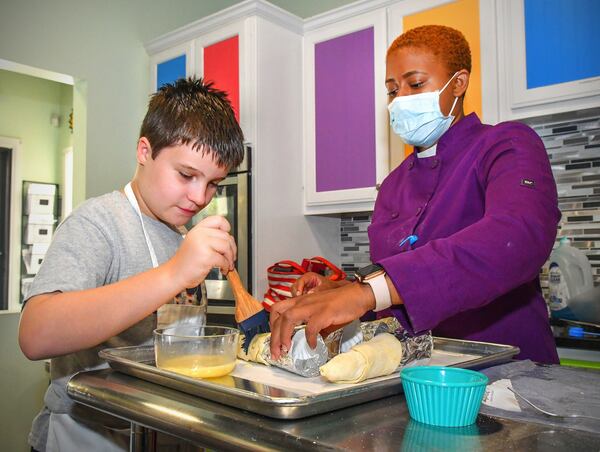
pixel 193 111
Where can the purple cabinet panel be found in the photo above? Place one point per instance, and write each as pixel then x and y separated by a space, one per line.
pixel 345 112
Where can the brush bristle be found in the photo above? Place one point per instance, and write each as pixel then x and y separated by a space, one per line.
pixel 256 324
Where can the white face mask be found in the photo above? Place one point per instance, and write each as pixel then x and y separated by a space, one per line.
pixel 417 118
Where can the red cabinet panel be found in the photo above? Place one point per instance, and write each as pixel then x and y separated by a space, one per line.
pixel 221 65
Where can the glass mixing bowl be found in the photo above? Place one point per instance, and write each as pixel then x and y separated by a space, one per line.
pixel 196 351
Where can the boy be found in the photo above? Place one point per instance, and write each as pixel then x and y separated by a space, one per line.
pixel 119 257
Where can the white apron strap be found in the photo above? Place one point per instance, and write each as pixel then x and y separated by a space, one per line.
pixel 133 201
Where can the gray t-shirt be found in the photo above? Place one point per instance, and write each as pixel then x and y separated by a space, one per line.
pixel 100 243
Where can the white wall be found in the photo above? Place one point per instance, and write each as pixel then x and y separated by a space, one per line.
pixel 278 178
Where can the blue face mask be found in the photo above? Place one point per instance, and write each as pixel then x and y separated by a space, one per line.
pixel 418 120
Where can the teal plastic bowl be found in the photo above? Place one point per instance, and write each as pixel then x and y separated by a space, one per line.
pixel 443 396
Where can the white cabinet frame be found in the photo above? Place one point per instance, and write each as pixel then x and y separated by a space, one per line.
pixel 186 48
pixel 245 30
pixel 358 199
pixel 515 100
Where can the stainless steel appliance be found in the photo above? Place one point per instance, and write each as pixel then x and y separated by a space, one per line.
pixel 232 201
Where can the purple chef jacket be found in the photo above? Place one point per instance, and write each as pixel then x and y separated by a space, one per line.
pixel 485 212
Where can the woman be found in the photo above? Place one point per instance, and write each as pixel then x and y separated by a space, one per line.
pixel 460 229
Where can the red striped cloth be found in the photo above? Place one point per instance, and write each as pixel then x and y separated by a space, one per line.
pixel 283 274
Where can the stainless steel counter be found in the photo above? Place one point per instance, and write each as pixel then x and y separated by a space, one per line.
pixel 379 425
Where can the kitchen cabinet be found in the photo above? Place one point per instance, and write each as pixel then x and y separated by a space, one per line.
pixel 349 147
pixel 547 58
pixel 214 55
pixel 530 57
pixel 170 64
pixel 218 60
pixel 345 114
pixel 337 79
pixel 222 48
pixel 224 57
pixel 253 50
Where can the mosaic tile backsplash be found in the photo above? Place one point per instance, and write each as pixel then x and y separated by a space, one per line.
pixel 355 241
pixel 573 144
pixel 572 141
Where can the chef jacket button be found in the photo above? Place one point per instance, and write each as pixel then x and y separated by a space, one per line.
pixel 435 163
pixel 394 214
pixel 419 210
pixel 411 165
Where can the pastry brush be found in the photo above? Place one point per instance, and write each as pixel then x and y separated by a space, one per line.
pixel 250 315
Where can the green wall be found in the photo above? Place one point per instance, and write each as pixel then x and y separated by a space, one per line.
pixel 101 45
pixel 26 106
pixel 22 387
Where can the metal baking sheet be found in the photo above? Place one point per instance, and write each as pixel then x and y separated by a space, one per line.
pixel 280 394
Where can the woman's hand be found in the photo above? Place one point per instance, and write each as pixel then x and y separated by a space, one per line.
pixel 318 310
pixel 312 282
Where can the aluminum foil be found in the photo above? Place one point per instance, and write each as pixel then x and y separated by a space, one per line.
pixel 413 347
pixel 300 359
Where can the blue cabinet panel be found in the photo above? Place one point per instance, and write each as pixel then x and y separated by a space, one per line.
pixel 562 39
pixel 170 70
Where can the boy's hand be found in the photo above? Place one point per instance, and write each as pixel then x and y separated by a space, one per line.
pixel 206 246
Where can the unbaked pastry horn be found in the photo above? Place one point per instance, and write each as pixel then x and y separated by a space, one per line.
pixel 378 357
pixel 255 350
